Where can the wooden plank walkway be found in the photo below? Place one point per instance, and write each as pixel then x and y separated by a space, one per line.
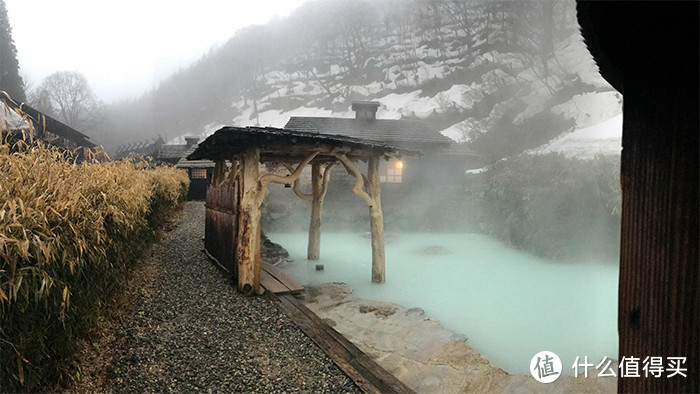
pixel 277 281
pixel 359 367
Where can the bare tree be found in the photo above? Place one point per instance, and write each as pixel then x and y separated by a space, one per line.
pixel 67 96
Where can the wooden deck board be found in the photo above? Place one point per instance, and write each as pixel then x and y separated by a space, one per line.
pixel 364 371
pixel 270 283
pixel 291 285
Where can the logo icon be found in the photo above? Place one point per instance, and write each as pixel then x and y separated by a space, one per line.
pixel 545 367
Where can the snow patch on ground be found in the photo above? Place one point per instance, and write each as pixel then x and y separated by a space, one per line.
pixel 604 138
pixel 589 109
pixel 458 95
pixel 396 106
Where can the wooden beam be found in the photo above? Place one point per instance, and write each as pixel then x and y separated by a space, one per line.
pixel 248 245
pixel 314 247
pixel 359 178
pixel 296 188
pixel 276 178
pixel 376 220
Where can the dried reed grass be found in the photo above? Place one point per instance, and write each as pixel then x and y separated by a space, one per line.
pixel 67 231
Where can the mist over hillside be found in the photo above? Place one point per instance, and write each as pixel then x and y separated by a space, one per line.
pixel 504 76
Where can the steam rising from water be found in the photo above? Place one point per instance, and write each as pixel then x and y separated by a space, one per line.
pixel 509 304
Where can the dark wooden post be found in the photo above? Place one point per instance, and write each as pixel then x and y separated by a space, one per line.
pixel 649 51
pixel 658 306
pixel 376 220
pixel 248 246
pixel 314 249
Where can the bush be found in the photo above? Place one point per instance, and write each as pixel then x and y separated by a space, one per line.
pixel 68 230
pixel 555 206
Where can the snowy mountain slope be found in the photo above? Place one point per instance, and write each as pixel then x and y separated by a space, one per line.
pixel 477 75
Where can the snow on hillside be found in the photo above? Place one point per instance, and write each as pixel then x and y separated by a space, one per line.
pixel 604 138
pixel 592 108
pixel 476 92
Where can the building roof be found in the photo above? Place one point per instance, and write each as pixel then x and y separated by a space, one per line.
pixel 46 124
pixel 402 133
pixel 185 163
pixel 459 149
pixel 171 152
pixel 284 145
pixel 10 119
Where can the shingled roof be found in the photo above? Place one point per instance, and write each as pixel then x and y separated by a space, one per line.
pixel 44 124
pixel 185 163
pixel 289 145
pixel 172 152
pixel 403 133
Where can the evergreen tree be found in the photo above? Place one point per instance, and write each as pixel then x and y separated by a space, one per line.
pixel 10 80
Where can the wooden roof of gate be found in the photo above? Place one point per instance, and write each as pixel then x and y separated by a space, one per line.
pixel 283 145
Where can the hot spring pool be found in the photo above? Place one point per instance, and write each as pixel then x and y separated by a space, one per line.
pixel 510 304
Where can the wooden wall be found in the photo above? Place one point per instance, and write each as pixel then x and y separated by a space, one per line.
pixel 221 223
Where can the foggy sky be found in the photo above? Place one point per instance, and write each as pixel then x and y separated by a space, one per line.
pixel 125 47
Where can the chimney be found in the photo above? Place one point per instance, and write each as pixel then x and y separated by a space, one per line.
pixel 365 109
pixel 191 141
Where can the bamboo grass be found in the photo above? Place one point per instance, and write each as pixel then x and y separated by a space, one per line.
pixel 68 229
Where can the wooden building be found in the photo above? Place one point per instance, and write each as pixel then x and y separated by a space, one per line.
pixel 238 188
pixel 442 162
pixel 199 171
pixel 43 127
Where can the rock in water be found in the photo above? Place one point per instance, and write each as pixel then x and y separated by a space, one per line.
pixel 433 250
pixel 271 252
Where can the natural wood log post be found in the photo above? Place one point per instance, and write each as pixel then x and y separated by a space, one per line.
pixel 376 220
pixel 318 194
pixel 357 188
pixel 248 245
pixel 314 247
pixel 373 199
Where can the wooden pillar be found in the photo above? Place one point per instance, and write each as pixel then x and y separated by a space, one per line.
pixel 649 52
pixel 376 220
pixel 659 297
pixel 248 246
pixel 314 249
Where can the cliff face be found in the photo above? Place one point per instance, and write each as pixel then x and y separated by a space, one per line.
pixel 504 76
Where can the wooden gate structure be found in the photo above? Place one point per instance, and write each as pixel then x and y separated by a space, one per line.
pixel 238 189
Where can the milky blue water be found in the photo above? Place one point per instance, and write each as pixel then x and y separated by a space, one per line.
pixel 509 304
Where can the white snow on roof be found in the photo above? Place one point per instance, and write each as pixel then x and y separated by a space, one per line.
pixel 10 119
pixel 457 131
pixel 277 118
pixel 604 138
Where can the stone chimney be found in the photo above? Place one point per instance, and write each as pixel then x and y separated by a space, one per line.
pixel 191 141
pixel 365 109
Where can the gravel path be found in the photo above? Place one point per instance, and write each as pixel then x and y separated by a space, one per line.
pixel 185 328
